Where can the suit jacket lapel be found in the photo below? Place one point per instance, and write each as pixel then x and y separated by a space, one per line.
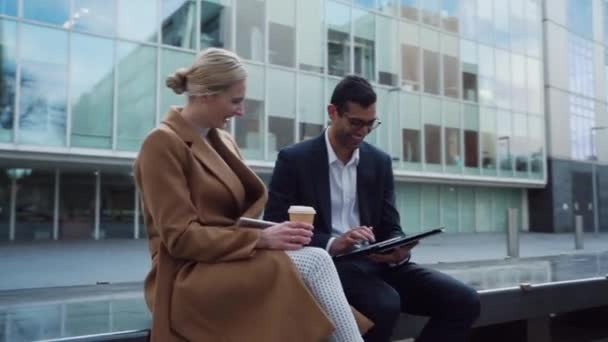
pixel 320 166
pixel 365 178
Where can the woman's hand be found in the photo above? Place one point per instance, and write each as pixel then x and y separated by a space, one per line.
pixel 285 236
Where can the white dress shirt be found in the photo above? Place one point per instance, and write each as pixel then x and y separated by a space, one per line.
pixel 343 192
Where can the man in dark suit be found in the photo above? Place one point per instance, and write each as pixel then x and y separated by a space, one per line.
pixel 350 184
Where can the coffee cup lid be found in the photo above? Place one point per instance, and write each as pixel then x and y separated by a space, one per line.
pixel 301 209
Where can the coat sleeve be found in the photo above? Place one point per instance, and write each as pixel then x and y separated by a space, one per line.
pixel 160 172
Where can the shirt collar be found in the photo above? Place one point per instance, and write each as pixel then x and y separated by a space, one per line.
pixel 333 158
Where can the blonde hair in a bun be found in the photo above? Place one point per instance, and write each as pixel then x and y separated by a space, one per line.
pixel 213 71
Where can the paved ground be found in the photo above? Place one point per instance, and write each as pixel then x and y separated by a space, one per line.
pixel 72 263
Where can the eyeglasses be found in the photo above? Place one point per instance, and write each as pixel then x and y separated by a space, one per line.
pixel 357 124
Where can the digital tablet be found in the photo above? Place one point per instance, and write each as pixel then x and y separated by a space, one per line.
pixel 387 245
pixel 254 223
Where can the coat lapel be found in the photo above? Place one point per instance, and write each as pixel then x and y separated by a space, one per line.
pixel 205 154
pixel 365 178
pixel 321 179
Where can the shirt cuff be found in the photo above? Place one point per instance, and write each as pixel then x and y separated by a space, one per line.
pixel 329 242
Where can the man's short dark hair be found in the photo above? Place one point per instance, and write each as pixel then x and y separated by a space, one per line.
pixel 354 89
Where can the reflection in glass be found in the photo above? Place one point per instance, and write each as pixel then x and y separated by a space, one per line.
pixel 8 69
pixel 388 51
pixel 311 106
pixel 249 128
pixel 281 110
pixel 486 75
pixel 35 205
pixel 281 32
pixel 92 88
pixel 430 12
pixel 179 23
pixel 410 130
pixel 52 12
pixel 470 70
pixel 449 206
pixel 451 83
pixel 5 204
pixel 170 61
pixel 410 56
pixel 33 323
pixel 504 141
pixel 488 138
pixel 471 136
pixel 87 318
pixel 410 204
pixel 430 60
pixel 42 119
pixel 580 17
pixel 8 7
pixel 97 16
pixel 519 91
pixel 338 38
pixel 250 24
pixel 136 110
pixel 536 144
pixel 411 145
pixel 310 35
pixel 535 90
pixel 449 15
pixel 518 26
pixel 432 136
pixel 390 7
pixel 503 79
pixel 430 205
pixel 215 28
pixel 364 44
pixel 521 145
pixel 76 205
pixel 137 20
pixel 409 9
pixel 117 206
pixel 533 15
pixel 451 138
pixel 485 21
pixel 468 18
pixel 502 29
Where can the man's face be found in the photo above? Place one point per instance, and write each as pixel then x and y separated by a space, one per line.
pixel 353 125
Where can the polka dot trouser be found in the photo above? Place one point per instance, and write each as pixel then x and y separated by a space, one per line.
pixel 321 278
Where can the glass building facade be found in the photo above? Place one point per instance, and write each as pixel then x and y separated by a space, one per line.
pixel 459 83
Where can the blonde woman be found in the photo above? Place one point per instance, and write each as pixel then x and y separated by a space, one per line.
pixel 211 279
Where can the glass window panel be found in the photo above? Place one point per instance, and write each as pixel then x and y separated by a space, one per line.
pixel 503 79
pixel 388 51
pixel 249 128
pixel 86 317
pixel 518 24
pixel 136 94
pixel 500 204
pixel 483 210
pixel 52 12
pixel 471 137
pixel 432 130
pixel 535 87
pixel 215 28
pixel 338 38
pixel 504 136
pixel 521 146
pixel 117 206
pixel 410 220
pixel 371 4
pixel 430 206
pixel 449 15
pixel 470 70
pixel 451 83
pixel 170 61
pixel 410 56
pixel 97 16
pixel 92 91
pixel 466 197
pixel 8 67
pixel 451 122
pixel 390 7
pixel 5 205
pixel 385 105
pixel 8 7
pixel 485 21
pixel 430 60
pixel 42 120
pixel 137 20
pixel 536 143
pixel 250 22
pixel 310 35
pixel 364 44
pixel 533 14
pixel 486 75
pixel 449 204
pixel 502 29
pixel 76 205
pixel 35 205
pixel 579 16
pixel 311 106
pixel 468 18
pixel 430 12
pixel 281 32
pixel 410 133
pixel 519 91
pixel 178 25
pixel 410 9
pixel 487 119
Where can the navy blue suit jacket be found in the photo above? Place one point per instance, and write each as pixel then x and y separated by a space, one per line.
pixel 301 177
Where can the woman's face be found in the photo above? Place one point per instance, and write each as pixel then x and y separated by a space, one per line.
pixel 223 106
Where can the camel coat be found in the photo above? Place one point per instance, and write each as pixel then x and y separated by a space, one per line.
pixel 208 282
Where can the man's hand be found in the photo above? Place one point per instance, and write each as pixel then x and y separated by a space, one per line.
pixel 286 236
pixel 348 240
pixel 396 256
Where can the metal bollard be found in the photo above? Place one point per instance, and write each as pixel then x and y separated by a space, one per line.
pixel 512 233
pixel 578 232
